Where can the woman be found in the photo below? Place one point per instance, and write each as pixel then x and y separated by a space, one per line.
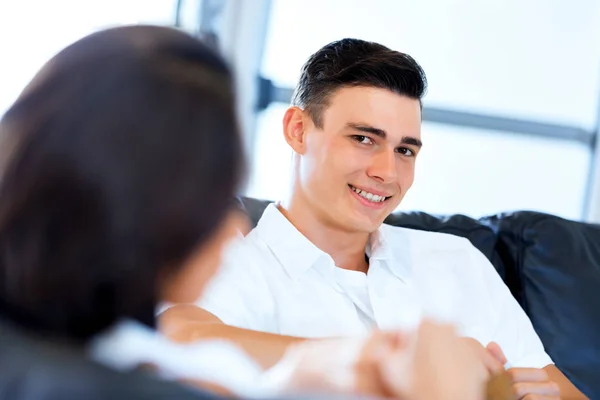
pixel 120 162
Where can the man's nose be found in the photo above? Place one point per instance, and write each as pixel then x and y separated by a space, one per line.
pixel 383 167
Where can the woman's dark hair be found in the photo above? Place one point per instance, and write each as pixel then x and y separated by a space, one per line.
pixel 119 159
pixel 355 62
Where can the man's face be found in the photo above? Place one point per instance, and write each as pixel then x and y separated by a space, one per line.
pixel 356 169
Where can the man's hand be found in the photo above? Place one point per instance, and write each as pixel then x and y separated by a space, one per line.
pixel 528 383
pixel 533 383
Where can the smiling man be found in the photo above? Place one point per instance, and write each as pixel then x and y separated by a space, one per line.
pixel 321 263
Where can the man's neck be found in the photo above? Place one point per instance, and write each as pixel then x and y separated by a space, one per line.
pixel 346 248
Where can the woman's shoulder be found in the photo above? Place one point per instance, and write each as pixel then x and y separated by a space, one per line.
pixel 130 345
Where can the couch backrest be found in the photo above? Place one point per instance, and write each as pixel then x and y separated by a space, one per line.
pixel 557 263
pixel 552 267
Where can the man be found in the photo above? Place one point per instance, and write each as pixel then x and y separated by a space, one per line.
pixel 322 264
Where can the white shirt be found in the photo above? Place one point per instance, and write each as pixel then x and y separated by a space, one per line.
pixel 275 280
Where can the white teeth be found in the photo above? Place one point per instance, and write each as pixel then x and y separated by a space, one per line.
pixel 369 196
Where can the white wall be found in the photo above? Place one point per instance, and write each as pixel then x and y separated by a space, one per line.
pixel 32 31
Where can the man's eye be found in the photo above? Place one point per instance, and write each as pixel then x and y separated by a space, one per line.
pixel 405 151
pixel 362 139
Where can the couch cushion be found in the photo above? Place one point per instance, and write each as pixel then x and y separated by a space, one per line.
pixel 254 208
pixel 558 263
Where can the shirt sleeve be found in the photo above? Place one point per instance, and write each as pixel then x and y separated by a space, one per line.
pixel 238 294
pixel 510 327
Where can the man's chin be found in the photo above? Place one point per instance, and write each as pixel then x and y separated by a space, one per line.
pixel 355 218
pixel 363 223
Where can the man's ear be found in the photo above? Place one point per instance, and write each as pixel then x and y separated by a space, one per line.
pixel 295 126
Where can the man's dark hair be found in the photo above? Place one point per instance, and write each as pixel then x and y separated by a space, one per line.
pixel 351 63
pixel 124 155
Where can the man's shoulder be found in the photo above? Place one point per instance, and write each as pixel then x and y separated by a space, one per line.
pixel 249 251
pixel 428 239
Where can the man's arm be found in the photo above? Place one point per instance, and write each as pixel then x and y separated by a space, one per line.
pixel 548 381
pixel 187 323
pixel 514 335
pixel 568 391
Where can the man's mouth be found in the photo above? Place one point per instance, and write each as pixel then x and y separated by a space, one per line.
pixel 372 197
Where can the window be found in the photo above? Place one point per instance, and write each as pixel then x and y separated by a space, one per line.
pixel 459 170
pixel 477 172
pixel 534 61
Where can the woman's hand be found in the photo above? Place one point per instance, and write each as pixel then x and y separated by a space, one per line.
pixel 443 366
pixel 432 363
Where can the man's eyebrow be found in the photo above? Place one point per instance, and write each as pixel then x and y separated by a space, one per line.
pixel 412 140
pixel 382 134
pixel 367 129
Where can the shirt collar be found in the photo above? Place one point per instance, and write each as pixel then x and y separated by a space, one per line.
pixel 297 254
pixel 292 249
pixel 392 246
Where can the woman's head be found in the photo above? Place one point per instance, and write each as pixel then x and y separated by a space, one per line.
pixel 121 160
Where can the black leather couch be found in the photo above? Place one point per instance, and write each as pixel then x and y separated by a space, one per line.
pixel 552 267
